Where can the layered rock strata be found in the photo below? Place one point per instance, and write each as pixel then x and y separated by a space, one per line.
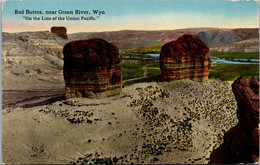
pixel 92 68
pixel 186 58
pixel 241 143
pixel 60 31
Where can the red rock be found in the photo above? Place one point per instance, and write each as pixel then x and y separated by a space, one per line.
pixel 255 158
pixel 92 68
pixel 241 143
pixel 228 137
pixel 255 139
pixel 220 155
pixel 185 58
pixel 60 31
pixel 248 106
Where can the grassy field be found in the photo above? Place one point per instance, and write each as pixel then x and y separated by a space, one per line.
pixel 242 55
pixel 132 69
pixel 239 55
pixel 229 72
pixel 150 49
pixel 135 70
pixel 135 55
pixel 224 72
pixel 153 70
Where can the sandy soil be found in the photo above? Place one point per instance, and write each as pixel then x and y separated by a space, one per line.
pixel 175 122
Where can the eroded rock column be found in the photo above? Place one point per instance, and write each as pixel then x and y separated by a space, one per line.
pixel 241 143
pixel 92 68
pixel 60 31
pixel 186 58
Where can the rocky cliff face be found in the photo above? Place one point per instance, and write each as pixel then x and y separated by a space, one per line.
pixel 31 61
pixel 185 58
pixel 92 68
pixel 241 143
pixel 60 31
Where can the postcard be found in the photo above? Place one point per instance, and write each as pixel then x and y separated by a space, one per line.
pixel 130 81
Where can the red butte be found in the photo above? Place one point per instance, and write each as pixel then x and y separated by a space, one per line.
pixel 186 58
pixel 92 68
pixel 241 143
pixel 60 31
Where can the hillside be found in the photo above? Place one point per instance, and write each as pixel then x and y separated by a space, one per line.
pixel 128 39
pixel 131 39
pixel 213 37
pixel 32 60
pixel 250 45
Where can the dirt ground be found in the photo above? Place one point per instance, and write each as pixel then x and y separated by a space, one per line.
pixel 169 122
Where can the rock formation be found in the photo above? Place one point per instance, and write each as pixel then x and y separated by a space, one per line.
pixel 241 143
pixel 92 68
pixel 60 31
pixel 185 58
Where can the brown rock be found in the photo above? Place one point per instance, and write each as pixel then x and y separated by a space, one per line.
pixel 185 58
pixel 60 31
pixel 241 143
pixel 220 155
pixel 92 68
pixel 248 105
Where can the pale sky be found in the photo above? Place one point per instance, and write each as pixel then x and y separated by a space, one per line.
pixel 132 14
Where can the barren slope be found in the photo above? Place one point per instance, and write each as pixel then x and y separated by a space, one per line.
pixel 32 61
pixel 176 122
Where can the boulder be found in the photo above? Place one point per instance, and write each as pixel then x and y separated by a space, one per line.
pixel 92 68
pixel 241 143
pixel 60 31
pixel 186 58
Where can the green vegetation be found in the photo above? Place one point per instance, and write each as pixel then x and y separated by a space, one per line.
pixel 150 49
pixel 132 69
pixel 240 55
pixel 153 66
pixel 135 55
pixel 153 70
pixel 229 72
pixel 224 72
pixel 135 69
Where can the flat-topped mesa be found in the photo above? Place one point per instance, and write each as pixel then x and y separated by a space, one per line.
pixel 92 68
pixel 60 31
pixel 186 58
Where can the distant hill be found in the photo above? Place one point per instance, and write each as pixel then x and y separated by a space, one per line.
pixel 212 37
pixel 129 39
pixel 132 39
pixel 218 36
